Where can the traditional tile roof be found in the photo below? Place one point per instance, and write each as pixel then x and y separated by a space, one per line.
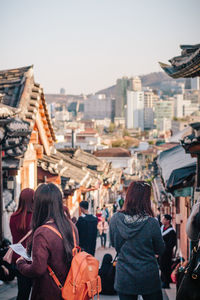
pixel 185 65
pixel 91 160
pixel 14 133
pixel 68 167
pixel 113 152
pixel 21 91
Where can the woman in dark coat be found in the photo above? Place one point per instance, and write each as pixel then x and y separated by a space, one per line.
pixel 47 248
pixel 136 236
pixel 20 222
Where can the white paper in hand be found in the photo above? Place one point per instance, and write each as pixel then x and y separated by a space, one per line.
pixel 20 250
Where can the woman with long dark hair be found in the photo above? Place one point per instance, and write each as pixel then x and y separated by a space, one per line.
pixel 136 236
pixel 20 226
pixel 47 248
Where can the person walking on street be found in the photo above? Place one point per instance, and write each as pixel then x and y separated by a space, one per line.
pixel 136 236
pixel 20 223
pixel 104 212
pixel 115 207
pixel 121 201
pixel 103 229
pixel 169 236
pixel 46 247
pixel 87 229
pixel 98 214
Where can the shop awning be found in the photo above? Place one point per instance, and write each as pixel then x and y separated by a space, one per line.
pixel 176 166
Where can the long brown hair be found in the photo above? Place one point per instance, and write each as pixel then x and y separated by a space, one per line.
pixel 25 206
pixel 48 205
pixel 137 200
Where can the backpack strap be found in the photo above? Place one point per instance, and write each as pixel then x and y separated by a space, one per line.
pixel 55 278
pixel 58 233
pixel 74 251
pixel 53 229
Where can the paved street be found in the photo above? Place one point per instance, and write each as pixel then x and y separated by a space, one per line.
pixel 9 291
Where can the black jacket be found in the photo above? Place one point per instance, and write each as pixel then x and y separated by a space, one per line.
pixel 87 229
pixel 170 242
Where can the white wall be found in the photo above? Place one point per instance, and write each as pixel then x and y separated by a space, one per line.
pixel 135 110
pixel 125 163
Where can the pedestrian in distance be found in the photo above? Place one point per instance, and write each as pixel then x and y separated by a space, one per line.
pixel 115 207
pixel 98 214
pixel 165 260
pixel 104 212
pixel 103 230
pixel 136 236
pixel 46 247
pixel 107 274
pixel 20 225
pixel 121 201
pixel 87 229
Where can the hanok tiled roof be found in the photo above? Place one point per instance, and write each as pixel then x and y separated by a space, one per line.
pixel 7 111
pixel 90 160
pixel 185 65
pixel 113 152
pixel 14 133
pixel 59 164
pixel 21 91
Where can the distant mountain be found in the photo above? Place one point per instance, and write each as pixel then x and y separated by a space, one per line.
pixel 109 92
pixel 155 80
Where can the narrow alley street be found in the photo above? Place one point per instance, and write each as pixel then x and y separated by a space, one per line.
pixel 9 291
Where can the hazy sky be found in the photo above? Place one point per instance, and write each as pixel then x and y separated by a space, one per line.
pixel 85 45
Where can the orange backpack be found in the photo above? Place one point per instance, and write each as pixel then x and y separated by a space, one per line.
pixel 82 282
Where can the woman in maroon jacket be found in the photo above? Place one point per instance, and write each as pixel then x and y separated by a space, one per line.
pixel 47 248
pixel 20 226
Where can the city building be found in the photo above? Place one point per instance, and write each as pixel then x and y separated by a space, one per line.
pixel 119 157
pixel 178 106
pixel 98 107
pixel 195 83
pixel 135 110
pixel 87 139
pixel 135 84
pixel 178 125
pixel 122 86
pixel 163 110
pixel 163 124
pixel 148 110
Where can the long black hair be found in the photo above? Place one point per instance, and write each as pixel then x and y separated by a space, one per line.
pixel 48 205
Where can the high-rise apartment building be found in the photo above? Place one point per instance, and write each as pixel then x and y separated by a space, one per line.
pixel 149 97
pixel 98 107
pixel 122 86
pixel 178 106
pixel 135 110
pixel 163 110
pixel 135 84
pixel 184 107
pixel 195 83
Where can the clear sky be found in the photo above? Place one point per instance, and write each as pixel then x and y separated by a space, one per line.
pixel 85 45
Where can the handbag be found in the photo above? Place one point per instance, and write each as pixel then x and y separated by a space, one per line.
pixel 189 288
pixel 8 256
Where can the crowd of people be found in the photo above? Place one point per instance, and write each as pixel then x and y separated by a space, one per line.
pixel 142 243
